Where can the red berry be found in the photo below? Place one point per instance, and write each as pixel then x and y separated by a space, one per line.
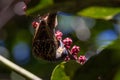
pixel 35 24
pixel 58 35
pixel 82 59
pixel 67 42
pixel 75 50
pixel 67 58
pixel 67 47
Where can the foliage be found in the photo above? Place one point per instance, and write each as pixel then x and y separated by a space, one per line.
pixel 104 61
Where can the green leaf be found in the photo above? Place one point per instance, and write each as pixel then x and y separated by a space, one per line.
pixel 42 4
pixel 117 76
pixel 65 70
pixel 59 73
pixel 102 66
pixel 99 12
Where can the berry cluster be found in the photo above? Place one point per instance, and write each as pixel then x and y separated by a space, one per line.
pixel 73 52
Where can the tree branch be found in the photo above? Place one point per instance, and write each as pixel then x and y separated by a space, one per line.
pixel 18 69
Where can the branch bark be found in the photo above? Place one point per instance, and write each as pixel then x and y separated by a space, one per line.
pixel 18 69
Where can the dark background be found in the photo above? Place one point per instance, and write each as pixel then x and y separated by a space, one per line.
pixel 94 25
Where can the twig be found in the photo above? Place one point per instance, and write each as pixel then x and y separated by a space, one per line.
pixel 18 69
